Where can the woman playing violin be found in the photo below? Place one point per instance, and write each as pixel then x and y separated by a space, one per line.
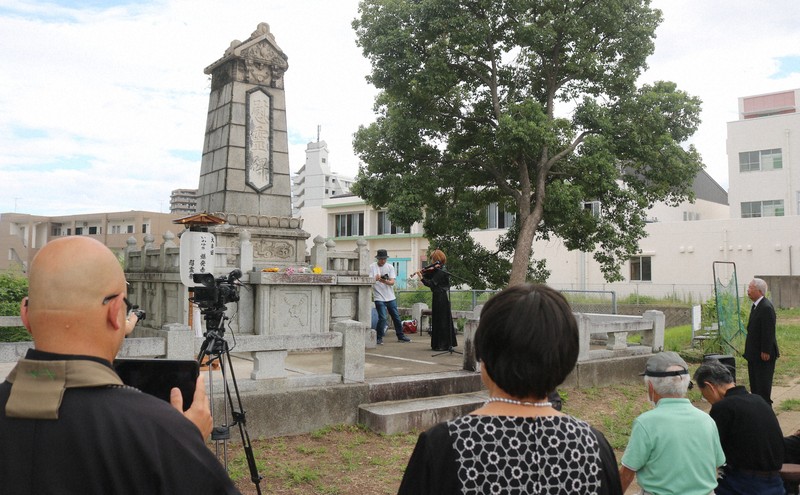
pixel 435 276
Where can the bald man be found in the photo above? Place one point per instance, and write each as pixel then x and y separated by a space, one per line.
pixel 67 423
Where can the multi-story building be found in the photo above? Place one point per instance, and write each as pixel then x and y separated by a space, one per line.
pixel 22 235
pixel 763 165
pixel 183 201
pixel 314 182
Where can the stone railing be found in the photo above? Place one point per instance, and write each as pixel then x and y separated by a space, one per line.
pixel 612 331
pixel 596 330
pixel 292 309
pixel 176 341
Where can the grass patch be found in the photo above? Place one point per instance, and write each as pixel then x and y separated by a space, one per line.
pixel 14 334
pixel 789 405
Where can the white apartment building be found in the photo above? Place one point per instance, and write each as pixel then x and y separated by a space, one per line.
pixel 314 182
pixel 754 227
pixel 183 201
pixel 763 160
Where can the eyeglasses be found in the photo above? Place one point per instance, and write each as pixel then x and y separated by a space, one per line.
pixel 128 305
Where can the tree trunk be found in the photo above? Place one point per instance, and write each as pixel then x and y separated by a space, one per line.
pixel 522 251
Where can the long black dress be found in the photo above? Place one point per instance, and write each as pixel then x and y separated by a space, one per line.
pixel 442 326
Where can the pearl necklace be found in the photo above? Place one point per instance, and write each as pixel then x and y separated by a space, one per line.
pixel 517 402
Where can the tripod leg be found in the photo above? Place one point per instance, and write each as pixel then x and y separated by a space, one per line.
pixel 240 420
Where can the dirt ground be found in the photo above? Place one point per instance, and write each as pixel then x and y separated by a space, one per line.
pixel 355 461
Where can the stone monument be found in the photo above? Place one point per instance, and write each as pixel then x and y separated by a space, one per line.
pixel 244 174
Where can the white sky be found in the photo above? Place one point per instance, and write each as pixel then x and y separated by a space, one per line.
pixel 103 103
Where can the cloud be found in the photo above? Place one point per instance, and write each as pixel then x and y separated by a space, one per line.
pixel 104 102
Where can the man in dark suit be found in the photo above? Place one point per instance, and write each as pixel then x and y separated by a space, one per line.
pixel 761 347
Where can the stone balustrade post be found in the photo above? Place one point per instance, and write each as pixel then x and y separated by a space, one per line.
pixel 149 242
pixel 329 247
pixel 348 360
pixel 416 314
pixel 319 253
pixel 654 339
pixel 245 252
pixel 162 255
pixel 179 341
pixel 363 256
pixel 584 335
pixel 129 248
pixel 470 361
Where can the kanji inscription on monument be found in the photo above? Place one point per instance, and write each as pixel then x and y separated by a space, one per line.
pixel 258 168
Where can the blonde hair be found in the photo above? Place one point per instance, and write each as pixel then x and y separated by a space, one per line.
pixel 438 255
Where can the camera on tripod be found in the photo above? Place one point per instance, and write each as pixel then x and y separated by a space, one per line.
pixel 216 292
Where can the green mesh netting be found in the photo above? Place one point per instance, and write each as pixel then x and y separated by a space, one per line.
pixel 726 292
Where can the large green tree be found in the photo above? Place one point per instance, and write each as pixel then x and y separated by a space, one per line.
pixel 529 104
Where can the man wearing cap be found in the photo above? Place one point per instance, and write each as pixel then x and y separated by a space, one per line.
pixel 383 293
pixel 674 448
pixel 749 432
pixel 761 347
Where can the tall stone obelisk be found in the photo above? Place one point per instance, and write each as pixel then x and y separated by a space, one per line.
pixel 245 167
pixel 244 174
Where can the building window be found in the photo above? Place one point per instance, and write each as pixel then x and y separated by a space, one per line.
pixel 755 209
pixel 498 217
pixel 592 207
pixel 56 231
pixel 385 225
pixel 753 161
pixel 78 230
pixel 689 216
pixel 93 231
pixel 640 269
pixel 349 224
pixel 69 231
pixel 116 229
pixel 130 229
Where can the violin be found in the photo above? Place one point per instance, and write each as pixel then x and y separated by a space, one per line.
pixel 436 265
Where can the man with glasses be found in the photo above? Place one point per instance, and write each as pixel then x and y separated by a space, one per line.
pixel 67 423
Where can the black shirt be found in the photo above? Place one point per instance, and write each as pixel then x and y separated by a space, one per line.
pixel 749 432
pixel 477 454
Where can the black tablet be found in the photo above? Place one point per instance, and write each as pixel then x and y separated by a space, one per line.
pixel 158 376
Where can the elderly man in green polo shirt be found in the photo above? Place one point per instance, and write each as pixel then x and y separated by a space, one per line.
pixel 674 448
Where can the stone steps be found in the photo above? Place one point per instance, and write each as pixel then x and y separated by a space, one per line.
pixel 401 416
pixel 417 402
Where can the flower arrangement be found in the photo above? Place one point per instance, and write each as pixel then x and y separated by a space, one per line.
pixel 317 270
pixel 290 270
pixel 271 269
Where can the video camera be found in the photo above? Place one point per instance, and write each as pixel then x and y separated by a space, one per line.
pixel 216 292
pixel 385 276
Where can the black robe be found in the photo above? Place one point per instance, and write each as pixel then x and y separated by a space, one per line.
pixel 443 331
pixel 106 440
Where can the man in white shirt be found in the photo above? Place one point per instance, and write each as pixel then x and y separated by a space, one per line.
pixel 383 293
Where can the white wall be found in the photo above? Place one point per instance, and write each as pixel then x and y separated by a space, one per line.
pixel 777 131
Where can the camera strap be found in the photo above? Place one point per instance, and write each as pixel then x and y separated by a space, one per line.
pixel 38 386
